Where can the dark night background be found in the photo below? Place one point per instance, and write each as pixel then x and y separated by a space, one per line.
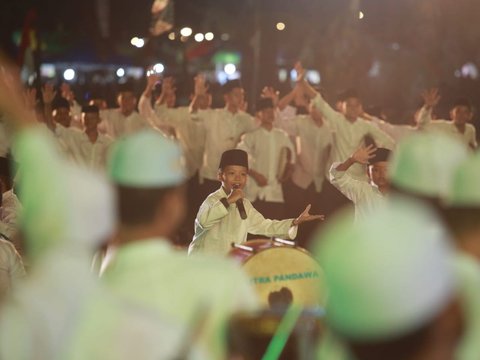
pixel 398 49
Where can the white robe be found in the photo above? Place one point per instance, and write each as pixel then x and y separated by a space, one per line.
pixel 217 227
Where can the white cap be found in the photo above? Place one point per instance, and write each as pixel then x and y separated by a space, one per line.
pixel 388 275
pixel 146 159
pixel 465 187
pixel 91 205
pixel 424 163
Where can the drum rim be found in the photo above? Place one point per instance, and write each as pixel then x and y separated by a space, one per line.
pixel 300 249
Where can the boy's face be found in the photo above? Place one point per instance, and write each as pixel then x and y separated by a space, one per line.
pixel 90 120
pixel 378 173
pixel 233 176
pixel 461 114
pixel 127 102
pixel 62 116
pixel 236 97
pixel 267 116
pixel 171 99
pixel 352 108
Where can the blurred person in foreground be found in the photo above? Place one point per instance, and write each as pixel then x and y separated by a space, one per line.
pixel 463 206
pixel 423 165
pixel 397 289
pixel 60 311
pixel 142 267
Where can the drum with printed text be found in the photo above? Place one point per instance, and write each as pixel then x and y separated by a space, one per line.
pixel 281 272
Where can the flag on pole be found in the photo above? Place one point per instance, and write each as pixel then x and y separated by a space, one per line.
pixel 162 17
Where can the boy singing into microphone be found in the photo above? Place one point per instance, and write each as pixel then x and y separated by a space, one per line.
pixel 226 217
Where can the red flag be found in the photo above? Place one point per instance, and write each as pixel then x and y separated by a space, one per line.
pixel 29 36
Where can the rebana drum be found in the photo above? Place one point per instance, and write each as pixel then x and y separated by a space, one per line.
pixel 281 272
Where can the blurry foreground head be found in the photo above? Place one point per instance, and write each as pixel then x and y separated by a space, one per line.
pixel 463 206
pixel 148 172
pixel 423 165
pixel 389 278
pixel 83 209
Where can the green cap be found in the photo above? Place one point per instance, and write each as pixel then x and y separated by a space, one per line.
pixel 387 275
pixel 424 164
pixel 465 187
pixel 146 159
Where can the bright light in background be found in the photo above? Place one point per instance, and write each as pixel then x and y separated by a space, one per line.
pixel 137 42
pixel 280 26
pixel 47 70
pixel 135 72
pixel 230 69
pixel 395 46
pixel 120 72
pixel 282 75
pixel 209 36
pixel 375 69
pixel 69 74
pixel 186 31
pixel 199 37
pixel 361 15
pixel 313 76
pixel 469 70
pixel 293 75
pixel 171 36
pixel 158 68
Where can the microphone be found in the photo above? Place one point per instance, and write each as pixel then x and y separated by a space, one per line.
pixel 240 207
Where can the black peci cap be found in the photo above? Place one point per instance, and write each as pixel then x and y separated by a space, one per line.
pixel 234 157
pixel 381 154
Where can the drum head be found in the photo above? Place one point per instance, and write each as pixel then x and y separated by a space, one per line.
pixel 283 275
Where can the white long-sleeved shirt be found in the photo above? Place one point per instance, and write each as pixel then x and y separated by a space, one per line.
pixel 190 134
pixel 115 124
pixel 11 267
pixel 217 227
pixel 9 213
pixel 469 137
pixel 76 112
pixel 264 148
pixel 313 152
pixel 81 150
pixel 222 132
pixel 200 291
pixel 363 194
pixel 349 136
pixel 396 131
